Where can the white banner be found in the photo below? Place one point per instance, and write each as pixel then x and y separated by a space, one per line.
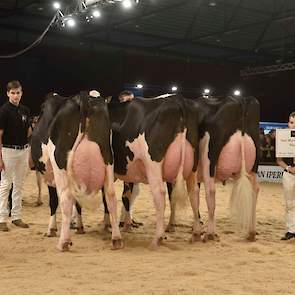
pixel 270 173
pixel 285 143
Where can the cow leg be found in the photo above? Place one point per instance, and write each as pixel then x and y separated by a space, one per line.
pixel 73 224
pixel 39 184
pixel 171 225
pixel 154 175
pixel 125 218
pixel 66 202
pixel 129 195
pixel 106 218
pixel 193 190
pixel 252 228
pixel 53 204
pixel 134 195
pixel 126 208
pixel 112 207
pixel 210 200
pixel 9 204
pixel 79 225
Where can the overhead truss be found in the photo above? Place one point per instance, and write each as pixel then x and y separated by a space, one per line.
pixel 267 69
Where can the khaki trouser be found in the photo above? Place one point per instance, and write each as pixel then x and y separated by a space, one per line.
pixel 289 194
pixel 16 168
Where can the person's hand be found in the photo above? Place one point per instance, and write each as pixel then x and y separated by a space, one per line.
pixel 2 167
pixel 292 170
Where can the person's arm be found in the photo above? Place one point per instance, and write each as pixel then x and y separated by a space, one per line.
pixel 30 131
pixel 286 167
pixel 2 167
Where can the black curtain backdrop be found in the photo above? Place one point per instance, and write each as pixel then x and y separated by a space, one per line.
pixel 43 70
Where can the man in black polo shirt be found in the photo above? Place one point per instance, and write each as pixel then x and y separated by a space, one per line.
pixel 14 131
pixel 288 164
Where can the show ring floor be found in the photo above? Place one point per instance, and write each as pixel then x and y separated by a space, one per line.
pixel 31 264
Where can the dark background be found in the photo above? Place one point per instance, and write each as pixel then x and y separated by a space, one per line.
pixel 67 71
pixel 190 43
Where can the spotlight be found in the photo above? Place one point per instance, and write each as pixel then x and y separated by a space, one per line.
pixel 71 22
pixel 237 92
pixel 56 5
pixel 139 86
pixel 212 3
pixel 96 13
pixel 127 4
pixel 206 93
pixel 174 88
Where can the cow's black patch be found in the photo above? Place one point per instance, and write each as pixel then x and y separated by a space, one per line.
pixel 60 121
pixel 160 120
pixel 222 117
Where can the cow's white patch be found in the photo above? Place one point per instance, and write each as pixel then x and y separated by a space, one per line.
pixel 204 163
pixel 204 146
pixel 50 150
pixel 52 224
pixel 136 168
pixel 139 147
pixel 44 154
pixel 111 140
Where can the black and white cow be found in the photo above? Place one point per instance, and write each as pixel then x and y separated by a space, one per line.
pixel 156 140
pixel 229 147
pixel 71 147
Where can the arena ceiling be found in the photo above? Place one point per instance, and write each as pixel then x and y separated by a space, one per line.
pixel 248 32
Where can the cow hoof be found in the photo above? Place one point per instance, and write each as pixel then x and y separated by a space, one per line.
pixel 80 230
pixel 252 237
pixel 51 233
pixel 106 229
pixel 154 245
pixel 196 237
pixel 73 225
pixel 65 246
pixel 210 237
pixel 157 242
pixel 132 224
pixel 127 228
pixel 170 228
pixel 39 203
pixel 117 244
pixel 136 223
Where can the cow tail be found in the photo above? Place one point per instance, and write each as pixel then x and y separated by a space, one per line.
pixel 179 197
pixel 242 197
pixel 70 173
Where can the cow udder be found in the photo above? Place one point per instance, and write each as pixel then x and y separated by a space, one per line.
pixel 88 165
pixel 172 160
pixel 230 159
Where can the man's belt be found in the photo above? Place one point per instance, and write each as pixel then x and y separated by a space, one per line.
pixel 15 147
